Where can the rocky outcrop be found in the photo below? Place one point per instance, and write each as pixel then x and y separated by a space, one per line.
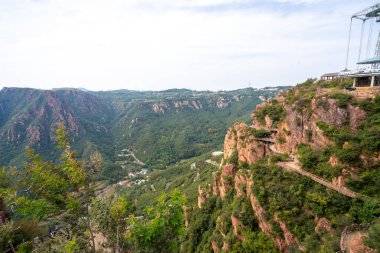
pixel 216 183
pixel 203 194
pixel 264 224
pixel 196 104
pixel 243 183
pixel 35 114
pixel 323 225
pixel 239 139
pixel 226 180
pixel 341 180
pixel 334 161
pixel 236 224
pixel 290 239
pixel 222 103
pixel 300 124
pixel 352 239
pixel 214 247
pixel 160 107
pixel 226 246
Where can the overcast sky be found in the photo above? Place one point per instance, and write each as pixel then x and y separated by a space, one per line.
pixel 160 44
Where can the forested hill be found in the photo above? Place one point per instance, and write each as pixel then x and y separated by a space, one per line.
pixel 160 127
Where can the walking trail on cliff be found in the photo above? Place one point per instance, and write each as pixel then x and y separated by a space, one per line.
pixel 295 166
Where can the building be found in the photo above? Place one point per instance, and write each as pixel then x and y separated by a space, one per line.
pixel 330 76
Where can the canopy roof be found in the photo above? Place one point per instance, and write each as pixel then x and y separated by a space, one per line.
pixel 373 60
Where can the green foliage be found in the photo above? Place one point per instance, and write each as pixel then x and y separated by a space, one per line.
pixel 45 190
pixel 255 242
pixel 342 99
pixel 273 110
pixel 373 240
pixel 369 211
pixel 281 140
pixel 161 226
pixel 304 91
pixel 109 217
pixel 234 159
pixel 260 133
pixel 338 84
pixel 287 132
pixel 6 236
pixel 308 157
pixel 309 135
pixel 348 155
pixel 278 158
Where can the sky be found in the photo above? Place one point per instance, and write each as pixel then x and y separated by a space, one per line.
pixel 162 44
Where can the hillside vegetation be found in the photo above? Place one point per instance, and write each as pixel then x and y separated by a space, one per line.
pixel 160 128
pixel 300 177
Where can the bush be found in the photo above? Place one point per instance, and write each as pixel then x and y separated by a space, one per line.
pixel 274 111
pixel 342 99
pixel 281 140
pixel 260 133
pixel 278 158
pixel 288 133
pixel 373 240
pixel 348 155
pixel 234 159
pixel 309 135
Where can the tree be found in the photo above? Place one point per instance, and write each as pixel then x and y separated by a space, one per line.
pixel 110 217
pixel 373 240
pixel 46 191
pixel 160 227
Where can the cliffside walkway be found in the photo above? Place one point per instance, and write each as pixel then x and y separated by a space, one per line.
pixel 268 140
pixel 294 166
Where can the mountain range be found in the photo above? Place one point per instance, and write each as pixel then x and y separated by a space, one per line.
pixel 160 127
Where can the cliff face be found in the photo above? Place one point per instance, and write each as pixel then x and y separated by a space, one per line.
pixel 300 123
pixel 107 121
pixel 284 124
pixel 243 181
pixel 239 139
pixel 196 104
pixel 30 117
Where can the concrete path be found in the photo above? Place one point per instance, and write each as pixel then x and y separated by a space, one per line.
pixel 295 167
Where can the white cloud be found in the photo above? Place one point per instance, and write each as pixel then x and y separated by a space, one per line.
pixel 118 44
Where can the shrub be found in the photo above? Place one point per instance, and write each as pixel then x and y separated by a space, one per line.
pixel 234 159
pixel 260 133
pixel 309 135
pixel 281 140
pixel 287 132
pixel 278 158
pixel 342 99
pixel 348 155
pixel 274 111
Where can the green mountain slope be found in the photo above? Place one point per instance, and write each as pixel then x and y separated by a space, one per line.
pixel 300 178
pixel 159 127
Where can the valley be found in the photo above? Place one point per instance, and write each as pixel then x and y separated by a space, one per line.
pixel 300 176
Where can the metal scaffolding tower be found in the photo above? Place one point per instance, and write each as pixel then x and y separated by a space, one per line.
pixel 370 15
